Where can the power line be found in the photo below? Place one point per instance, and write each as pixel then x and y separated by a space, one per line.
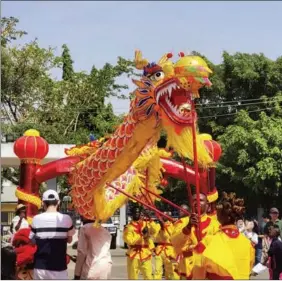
pixel 202 117
pixel 229 114
pixel 236 105
pixel 214 109
pixel 236 101
pixel 202 106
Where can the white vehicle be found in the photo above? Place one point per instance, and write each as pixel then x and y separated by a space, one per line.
pixel 109 225
pixel 78 223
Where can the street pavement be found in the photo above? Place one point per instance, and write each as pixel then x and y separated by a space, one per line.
pixel 119 270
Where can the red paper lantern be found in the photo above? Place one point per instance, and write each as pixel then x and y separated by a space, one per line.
pixel 164 182
pixel 214 149
pixel 31 147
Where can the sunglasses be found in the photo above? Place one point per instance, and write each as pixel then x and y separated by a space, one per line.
pixel 274 213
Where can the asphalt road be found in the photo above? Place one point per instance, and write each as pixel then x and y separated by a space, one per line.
pixel 119 266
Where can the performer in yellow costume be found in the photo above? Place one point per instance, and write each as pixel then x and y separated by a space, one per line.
pixel 139 235
pixel 165 253
pixel 184 255
pixel 229 254
pixel 187 237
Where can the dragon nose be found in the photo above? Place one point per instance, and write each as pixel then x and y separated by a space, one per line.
pixel 184 83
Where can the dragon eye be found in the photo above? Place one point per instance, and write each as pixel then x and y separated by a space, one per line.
pixel 157 76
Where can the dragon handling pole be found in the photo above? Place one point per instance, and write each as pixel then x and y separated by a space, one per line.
pixel 141 202
pixel 188 186
pixel 149 199
pixel 196 167
pixel 167 201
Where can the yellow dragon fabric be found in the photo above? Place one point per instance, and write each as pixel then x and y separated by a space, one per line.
pixel 163 101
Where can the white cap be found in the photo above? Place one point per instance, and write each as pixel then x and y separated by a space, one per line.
pixel 50 195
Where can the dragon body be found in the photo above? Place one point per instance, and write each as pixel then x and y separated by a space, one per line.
pixel 163 100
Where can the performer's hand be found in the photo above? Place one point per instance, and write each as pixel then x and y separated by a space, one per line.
pixel 193 221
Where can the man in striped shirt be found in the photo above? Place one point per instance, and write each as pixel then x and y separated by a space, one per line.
pixel 51 232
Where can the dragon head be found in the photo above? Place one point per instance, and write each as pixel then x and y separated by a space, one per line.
pixel 167 90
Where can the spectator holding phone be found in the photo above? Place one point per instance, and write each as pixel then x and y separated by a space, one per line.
pixel 249 232
pixel 19 221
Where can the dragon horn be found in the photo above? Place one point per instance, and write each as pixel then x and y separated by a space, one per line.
pixel 164 58
pixel 140 63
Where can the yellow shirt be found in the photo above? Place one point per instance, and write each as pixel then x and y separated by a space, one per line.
pixel 139 246
pixel 179 242
pixel 209 227
pixel 163 241
pixel 182 241
pixel 185 243
pixel 213 215
pixel 229 255
pixel 181 246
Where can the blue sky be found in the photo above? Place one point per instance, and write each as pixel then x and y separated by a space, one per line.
pixel 99 32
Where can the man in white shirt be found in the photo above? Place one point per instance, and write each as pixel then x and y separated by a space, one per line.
pixel 51 231
pixel 19 221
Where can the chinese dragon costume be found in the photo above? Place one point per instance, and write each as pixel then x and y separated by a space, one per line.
pixel 163 100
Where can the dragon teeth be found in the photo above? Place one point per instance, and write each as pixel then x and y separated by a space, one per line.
pixel 175 109
pixel 161 93
pixel 167 91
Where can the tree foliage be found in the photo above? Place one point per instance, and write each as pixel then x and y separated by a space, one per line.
pixel 9 32
pixel 242 81
pixel 246 107
pixel 63 111
pixel 67 63
pixel 252 148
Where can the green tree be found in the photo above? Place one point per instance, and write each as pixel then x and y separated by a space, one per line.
pixel 67 63
pixel 9 31
pixel 64 111
pixel 252 158
pixel 24 80
pixel 239 82
pixel 61 110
